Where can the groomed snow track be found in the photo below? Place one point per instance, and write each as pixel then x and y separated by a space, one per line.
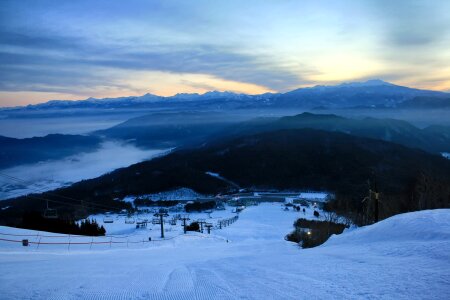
pixel 404 257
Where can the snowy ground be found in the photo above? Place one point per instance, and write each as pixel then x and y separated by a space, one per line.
pixel 404 257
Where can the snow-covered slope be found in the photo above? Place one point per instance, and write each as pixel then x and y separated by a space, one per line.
pixel 423 226
pixel 404 257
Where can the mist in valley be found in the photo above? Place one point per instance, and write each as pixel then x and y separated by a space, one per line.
pixel 48 175
pixel 139 135
pixel 32 124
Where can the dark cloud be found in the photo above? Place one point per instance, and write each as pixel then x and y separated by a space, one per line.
pixel 56 60
pixel 74 45
pixel 14 39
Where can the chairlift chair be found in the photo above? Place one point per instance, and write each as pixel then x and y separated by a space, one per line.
pixel 50 213
pixel 108 219
pixel 129 220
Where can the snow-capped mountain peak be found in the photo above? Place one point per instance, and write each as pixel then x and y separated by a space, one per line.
pixel 371 83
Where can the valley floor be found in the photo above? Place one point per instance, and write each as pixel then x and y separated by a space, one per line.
pixel 405 257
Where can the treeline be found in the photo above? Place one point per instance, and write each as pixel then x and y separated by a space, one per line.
pixel 423 191
pixel 35 221
pixel 159 203
pixel 194 226
pixel 312 233
pixel 407 179
pixel 199 206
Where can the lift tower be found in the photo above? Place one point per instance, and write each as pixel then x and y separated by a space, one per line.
pixel 161 214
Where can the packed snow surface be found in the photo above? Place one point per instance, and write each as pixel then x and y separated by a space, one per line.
pixel 404 257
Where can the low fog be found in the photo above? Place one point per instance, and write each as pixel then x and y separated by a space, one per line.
pixel 112 155
pixel 49 175
pixel 29 124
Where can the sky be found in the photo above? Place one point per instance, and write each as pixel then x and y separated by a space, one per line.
pixel 78 49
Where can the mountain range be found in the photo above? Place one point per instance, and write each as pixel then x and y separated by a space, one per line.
pixel 14 152
pixel 371 93
pixel 194 128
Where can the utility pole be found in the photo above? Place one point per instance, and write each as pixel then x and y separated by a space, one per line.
pixel 184 219
pixel 161 214
pixel 377 195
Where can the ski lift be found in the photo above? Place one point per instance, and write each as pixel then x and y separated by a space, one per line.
pixel 50 213
pixel 129 220
pixel 141 224
pixel 108 219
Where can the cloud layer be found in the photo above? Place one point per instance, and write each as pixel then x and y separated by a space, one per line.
pixel 76 49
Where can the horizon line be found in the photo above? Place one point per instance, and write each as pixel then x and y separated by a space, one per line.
pixel 221 91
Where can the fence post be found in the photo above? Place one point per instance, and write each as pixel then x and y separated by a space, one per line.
pixel 39 242
pixel 68 247
pixel 92 241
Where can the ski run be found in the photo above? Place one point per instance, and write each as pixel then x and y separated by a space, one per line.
pixel 404 257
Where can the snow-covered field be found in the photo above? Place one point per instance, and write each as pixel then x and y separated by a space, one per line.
pixel 404 257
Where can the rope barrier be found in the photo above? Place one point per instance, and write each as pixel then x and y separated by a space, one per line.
pixel 7 240
pixel 72 236
pixel 77 243
pixel 108 242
